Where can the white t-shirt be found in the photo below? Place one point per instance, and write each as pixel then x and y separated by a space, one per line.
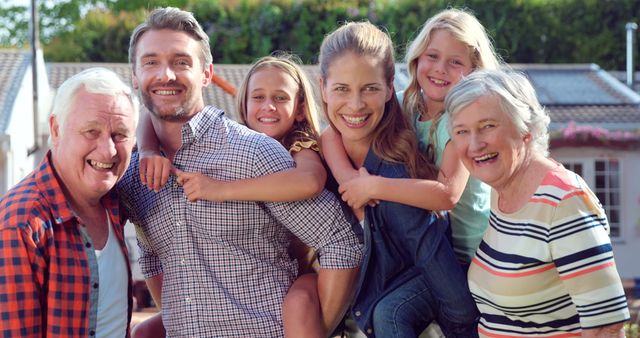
pixel 112 295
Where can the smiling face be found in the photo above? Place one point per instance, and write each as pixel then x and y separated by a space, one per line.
pixel 488 143
pixel 444 62
pixel 169 74
pixel 272 102
pixel 93 148
pixel 355 92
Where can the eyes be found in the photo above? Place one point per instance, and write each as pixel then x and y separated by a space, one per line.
pixel 482 128
pixel 117 137
pixel 367 88
pixel 276 98
pixel 178 63
pixel 455 62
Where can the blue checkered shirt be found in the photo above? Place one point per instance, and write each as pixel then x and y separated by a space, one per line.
pixel 226 267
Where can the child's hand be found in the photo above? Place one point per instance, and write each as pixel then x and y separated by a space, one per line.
pixel 200 187
pixel 357 191
pixel 154 169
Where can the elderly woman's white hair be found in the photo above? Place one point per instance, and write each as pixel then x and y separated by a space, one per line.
pixel 96 80
pixel 517 99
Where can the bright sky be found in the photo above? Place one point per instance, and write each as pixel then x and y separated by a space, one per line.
pixel 8 3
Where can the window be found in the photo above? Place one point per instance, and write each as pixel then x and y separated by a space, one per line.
pixel 603 177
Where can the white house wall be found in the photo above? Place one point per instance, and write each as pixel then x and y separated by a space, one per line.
pixel 18 138
pixel 20 131
pixel 626 247
pixel 4 185
pixel 45 101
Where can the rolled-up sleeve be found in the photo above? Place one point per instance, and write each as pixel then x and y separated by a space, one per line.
pixel 319 222
pixel 150 263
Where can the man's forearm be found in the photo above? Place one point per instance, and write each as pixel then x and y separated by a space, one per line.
pixel 154 284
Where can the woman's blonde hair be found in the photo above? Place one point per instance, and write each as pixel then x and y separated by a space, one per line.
pixel 394 138
pixel 309 128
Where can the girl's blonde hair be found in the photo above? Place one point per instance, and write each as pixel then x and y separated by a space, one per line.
pixel 394 138
pixel 309 128
pixel 465 28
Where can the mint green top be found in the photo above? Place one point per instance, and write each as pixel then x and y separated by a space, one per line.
pixel 470 216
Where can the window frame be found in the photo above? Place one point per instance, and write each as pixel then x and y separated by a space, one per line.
pixel 590 174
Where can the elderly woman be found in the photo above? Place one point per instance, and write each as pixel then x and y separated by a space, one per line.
pixel 545 266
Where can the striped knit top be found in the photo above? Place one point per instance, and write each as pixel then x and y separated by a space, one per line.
pixel 547 270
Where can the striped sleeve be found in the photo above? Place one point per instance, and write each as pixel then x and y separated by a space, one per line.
pixel 582 252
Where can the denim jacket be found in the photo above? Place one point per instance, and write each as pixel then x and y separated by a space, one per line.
pixel 397 237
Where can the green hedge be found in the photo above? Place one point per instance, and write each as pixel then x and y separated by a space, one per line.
pixel 524 31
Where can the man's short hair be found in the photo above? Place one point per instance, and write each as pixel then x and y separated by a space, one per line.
pixel 174 19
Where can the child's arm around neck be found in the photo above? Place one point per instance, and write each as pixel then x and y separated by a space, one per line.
pixel 304 181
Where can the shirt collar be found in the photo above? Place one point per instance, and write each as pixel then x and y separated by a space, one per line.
pixel 48 183
pixel 372 162
pixel 201 122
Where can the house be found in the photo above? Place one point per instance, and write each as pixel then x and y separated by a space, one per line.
pixel 18 151
pixel 595 131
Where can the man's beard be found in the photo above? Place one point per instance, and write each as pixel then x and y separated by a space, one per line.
pixel 179 115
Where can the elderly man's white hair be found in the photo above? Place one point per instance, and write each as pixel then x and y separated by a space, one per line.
pixel 96 80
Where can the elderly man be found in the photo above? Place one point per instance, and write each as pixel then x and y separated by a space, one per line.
pixel 63 262
pixel 220 269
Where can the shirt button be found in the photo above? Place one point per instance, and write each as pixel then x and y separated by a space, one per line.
pixel 88 245
pixel 183 262
pixel 358 313
pixel 188 299
pixel 92 333
pixel 95 285
pixel 369 331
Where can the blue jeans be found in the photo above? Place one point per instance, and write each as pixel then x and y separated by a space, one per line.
pixel 405 312
pixel 439 293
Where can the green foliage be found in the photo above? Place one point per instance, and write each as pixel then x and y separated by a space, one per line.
pixel 133 5
pixel 104 38
pixel 524 31
pixel 14 26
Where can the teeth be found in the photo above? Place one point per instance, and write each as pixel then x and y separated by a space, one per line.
pixel 438 82
pixel 485 157
pixel 355 119
pixel 100 165
pixel 166 92
pixel 268 119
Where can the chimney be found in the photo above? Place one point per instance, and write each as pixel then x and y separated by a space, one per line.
pixel 631 27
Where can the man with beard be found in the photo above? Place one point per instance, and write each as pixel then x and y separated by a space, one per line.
pixel 219 269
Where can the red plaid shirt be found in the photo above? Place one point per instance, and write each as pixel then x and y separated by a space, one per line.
pixel 48 268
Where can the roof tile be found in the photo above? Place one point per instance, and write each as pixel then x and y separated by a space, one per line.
pixel 13 65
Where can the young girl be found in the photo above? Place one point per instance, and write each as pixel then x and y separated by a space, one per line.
pixel 451 45
pixel 277 99
pixel 409 274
